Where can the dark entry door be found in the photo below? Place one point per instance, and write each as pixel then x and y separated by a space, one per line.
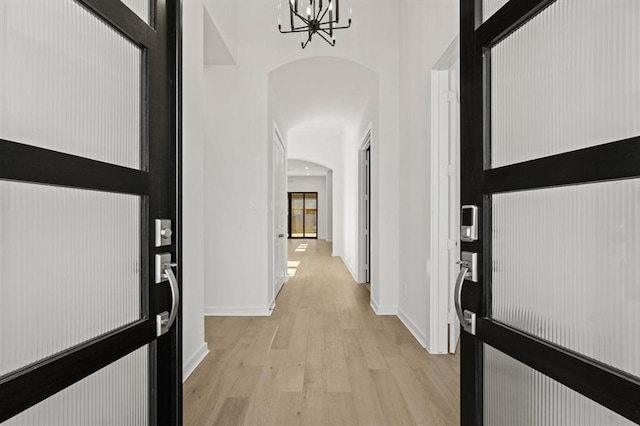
pixel 88 143
pixel 550 108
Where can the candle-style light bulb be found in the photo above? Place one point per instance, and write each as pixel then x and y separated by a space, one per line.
pixel 330 5
pixel 308 11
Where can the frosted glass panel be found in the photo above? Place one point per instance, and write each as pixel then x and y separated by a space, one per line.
pixel 68 82
pixel 515 394
pixel 116 395
pixel 140 7
pixel 69 268
pixel 565 268
pixel 489 7
pixel 566 80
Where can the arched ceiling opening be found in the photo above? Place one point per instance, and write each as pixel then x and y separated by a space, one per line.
pixel 305 168
pixel 322 90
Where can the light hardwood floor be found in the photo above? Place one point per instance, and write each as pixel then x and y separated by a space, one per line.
pixel 322 358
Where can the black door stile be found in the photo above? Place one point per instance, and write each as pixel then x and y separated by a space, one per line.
pixel 609 387
pixel 156 183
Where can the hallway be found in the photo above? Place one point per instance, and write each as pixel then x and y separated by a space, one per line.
pixel 322 358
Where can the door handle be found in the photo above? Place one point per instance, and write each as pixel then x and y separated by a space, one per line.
pixel 165 320
pixel 467 318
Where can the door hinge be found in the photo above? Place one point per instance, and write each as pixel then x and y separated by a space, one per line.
pixel 451 170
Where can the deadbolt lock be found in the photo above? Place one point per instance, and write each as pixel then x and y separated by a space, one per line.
pixel 163 232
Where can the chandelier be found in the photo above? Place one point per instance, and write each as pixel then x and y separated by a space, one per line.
pixel 314 19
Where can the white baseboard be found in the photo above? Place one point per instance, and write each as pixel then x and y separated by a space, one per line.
pixel 272 305
pixel 237 311
pixel 383 310
pixel 194 360
pixel 419 334
pixel 355 276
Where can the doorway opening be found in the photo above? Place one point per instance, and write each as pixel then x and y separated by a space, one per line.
pixel 303 215
pixel 445 191
pixel 365 209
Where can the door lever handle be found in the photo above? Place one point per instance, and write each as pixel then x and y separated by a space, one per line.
pixel 165 320
pixel 467 318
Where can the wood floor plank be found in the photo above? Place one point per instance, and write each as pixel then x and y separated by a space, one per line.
pixel 292 379
pixel 322 358
pixel 419 402
pixel 340 409
pixel 288 409
pixel 337 380
pixel 233 412
pixel 371 350
pixel 393 403
pixel 365 398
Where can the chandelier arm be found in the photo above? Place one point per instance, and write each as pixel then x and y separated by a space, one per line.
pixel 304 43
pixel 297 30
pixel 336 28
pixel 303 19
pixel 323 14
pixel 325 39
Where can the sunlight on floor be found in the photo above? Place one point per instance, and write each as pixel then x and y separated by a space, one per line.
pixel 292 267
pixel 302 247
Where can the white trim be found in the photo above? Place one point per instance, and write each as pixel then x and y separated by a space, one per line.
pixel 383 310
pixel 353 275
pixel 366 137
pixel 237 311
pixel 194 361
pixel 419 334
pixel 272 305
pixel 366 143
pixel 450 56
pixel 438 334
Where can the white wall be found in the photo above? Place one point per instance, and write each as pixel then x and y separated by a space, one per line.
pixel 313 184
pixel 427 30
pixel 224 14
pixel 329 180
pixel 194 347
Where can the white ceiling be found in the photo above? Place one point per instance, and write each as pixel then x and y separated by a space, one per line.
pixel 322 89
pixel 305 168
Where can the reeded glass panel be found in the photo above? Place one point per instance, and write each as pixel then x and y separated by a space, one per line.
pixel 68 82
pixel 565 267
pixel 140 7
pixel 69 268
pixel 567 80
pixel 489 7
pixel 116 395
pixel 515 394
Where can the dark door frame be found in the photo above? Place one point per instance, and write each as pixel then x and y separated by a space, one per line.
pixel 605 385
pixel 304 214
pixel 157 184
